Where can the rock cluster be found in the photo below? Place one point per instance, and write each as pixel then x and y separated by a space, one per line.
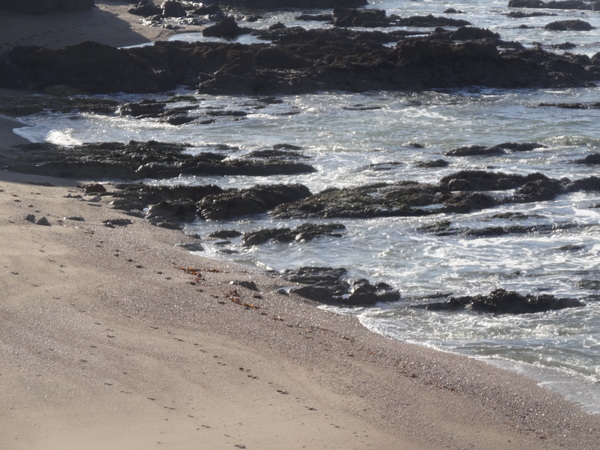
pixel 300 61
pixel 329 285
pixel 505 302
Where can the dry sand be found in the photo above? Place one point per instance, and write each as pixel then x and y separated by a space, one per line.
pixel 109 23
pixel 106 343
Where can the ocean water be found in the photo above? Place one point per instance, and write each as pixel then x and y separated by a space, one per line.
pixel 358 139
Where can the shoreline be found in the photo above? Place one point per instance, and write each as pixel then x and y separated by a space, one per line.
pixel 107 342
pixel 101 320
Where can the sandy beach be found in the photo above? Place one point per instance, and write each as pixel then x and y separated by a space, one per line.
pixel 116 337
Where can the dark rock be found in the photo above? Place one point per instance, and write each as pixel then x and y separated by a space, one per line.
pixel 298 61
pixel 256 200
pixel 43 221
pixel 304 232
pixel 479 180
pixel 327 285
pixel 182 208
pixel 225 28
pixel 142 109
pixel 95 188
pixel 380 200
pixel 479 150
pixel 475 150
pixel 138 160
pixel 145 9
pixel 505 302
pixel 522 15
pixel 436 163
pixel 172 8
pixel 191 246
pixel 569 25
pixel 369 18
pixel 431 21
pixel 594 105
pixel 30 218
pixel 315 17
pixel 225 234
pixel 593 159
pixel 539 190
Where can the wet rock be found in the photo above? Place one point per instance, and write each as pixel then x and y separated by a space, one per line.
pixel 142 109
pixel 138 160
pixel 328 285
pixel 369 18
pixel 505 302
pixel 569 25
pixel 593 105
pixel 225 234
pixel 380 200
pixel 480 180
pixel 16 106
pixel 475 150
pixel 225 28
pixel 539 190
pixel 500 149
pixel 593 159
pixel 256 200
pixel 315 17
pixel 434 164
pixel 298 61
pixel 432 21
pixel 304 232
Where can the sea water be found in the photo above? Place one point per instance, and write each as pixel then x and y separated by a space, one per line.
pixel 358 139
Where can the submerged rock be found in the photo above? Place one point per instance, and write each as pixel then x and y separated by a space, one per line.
pixel 505 302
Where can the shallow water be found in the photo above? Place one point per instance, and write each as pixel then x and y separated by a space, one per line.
pixel 357 139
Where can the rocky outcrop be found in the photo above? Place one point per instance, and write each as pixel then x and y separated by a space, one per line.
pixel 44 6
pixel 139 160
pixel 304 232
pixel 299 61
pixel 461 192
pixel 256 200
pixel 505 302
pixel 569 25
pixel 225 28
pixel 329 285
